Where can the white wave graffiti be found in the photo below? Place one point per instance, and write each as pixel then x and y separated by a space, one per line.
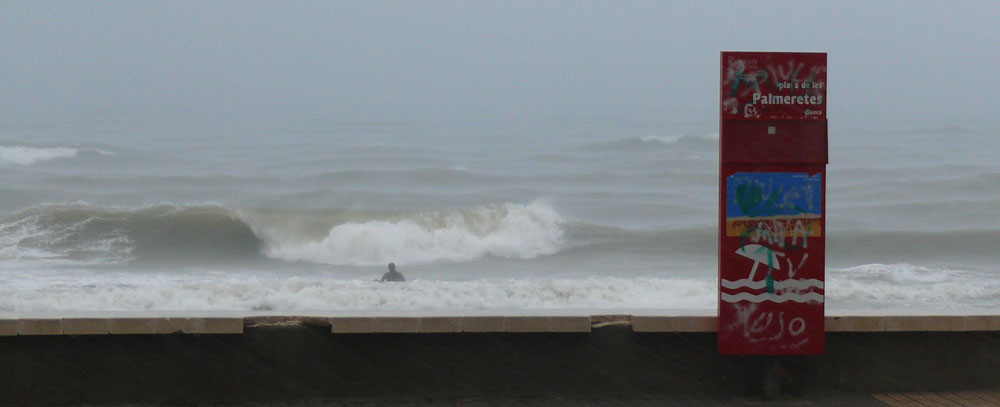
pixel 780 285
pixel 779 298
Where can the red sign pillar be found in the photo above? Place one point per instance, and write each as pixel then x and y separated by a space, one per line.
pixel 772 203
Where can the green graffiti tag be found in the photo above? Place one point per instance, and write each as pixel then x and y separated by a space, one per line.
pixel 752 202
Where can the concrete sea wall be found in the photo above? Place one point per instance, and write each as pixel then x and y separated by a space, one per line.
pixel 186 359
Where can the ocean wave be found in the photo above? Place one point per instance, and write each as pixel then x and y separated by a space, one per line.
pixel 910 171
pixel 900 186
pixel 432 176
pixel 906 285
pixel 945 130
pixel 85 234
pixel 647 142
pixel 960 246
pixel 232 292
pixel 509 231
pixel 867 288
pixel 30 155
pixel 713 136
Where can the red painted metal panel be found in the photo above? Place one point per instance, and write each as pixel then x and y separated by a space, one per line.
pixel 773 85
pixel 773 142
pixel 772 200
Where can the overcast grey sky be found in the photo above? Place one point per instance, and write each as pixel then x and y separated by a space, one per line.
pixel 889 61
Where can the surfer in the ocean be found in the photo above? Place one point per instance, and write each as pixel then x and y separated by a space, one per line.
pixel 392 275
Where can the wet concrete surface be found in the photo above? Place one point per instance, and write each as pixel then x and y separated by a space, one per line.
pixel 307 365
pixel 945 399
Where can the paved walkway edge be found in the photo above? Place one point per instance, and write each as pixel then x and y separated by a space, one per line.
pixel 152 325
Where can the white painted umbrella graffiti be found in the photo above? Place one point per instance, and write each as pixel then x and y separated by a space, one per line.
pixel 760 254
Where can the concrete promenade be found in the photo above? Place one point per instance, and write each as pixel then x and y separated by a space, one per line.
pixel 949 399
pixel 567 358
pixel 133 323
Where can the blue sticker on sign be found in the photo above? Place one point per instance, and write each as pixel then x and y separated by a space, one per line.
pixel 770 194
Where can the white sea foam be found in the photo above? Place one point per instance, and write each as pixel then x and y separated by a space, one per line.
pixel 673 139
pixel 31 155
pixel 33 241
pixel 372 205
pixel 876 286
pixel 848 290
pixel 662 139
pixel 233 292
pixel 13 233
pixel 509 231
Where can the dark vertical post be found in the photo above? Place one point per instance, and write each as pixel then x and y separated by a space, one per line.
pixel 772 378
pixel 772 207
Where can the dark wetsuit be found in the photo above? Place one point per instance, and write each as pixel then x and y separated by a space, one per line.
pixel 394 276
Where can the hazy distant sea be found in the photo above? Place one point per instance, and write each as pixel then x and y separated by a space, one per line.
pixel 129 213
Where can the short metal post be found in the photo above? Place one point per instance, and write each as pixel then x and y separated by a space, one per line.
pixel 772 378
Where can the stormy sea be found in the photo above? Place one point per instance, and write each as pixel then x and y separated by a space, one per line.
pixel 134 213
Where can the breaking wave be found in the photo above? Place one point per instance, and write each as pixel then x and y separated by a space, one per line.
pixel 510 231
pixel 81 233
pixel 645 143
pixel 31 155
pixel 902 285
pixel 85 234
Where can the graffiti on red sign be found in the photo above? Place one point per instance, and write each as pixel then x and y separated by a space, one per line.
pixel 773 152
pixel 770 218
pixel 774 86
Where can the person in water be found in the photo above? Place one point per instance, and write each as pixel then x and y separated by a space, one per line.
pixel 393 275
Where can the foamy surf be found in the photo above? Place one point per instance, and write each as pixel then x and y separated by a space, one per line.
pixel 30 155
pixel 901 287
pixel 506 231
pixel 473 221
pixel 237 292
pixel 714 136
pixel 84 234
